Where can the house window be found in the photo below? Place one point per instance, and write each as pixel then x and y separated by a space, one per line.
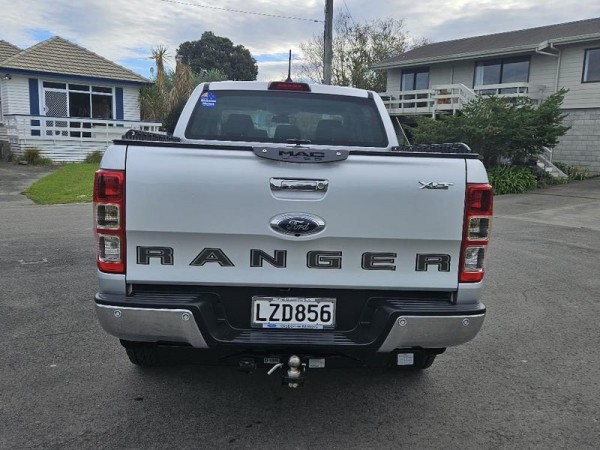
pixel 502 71
pixel 77 100
pixel 591 65
pixel 415 79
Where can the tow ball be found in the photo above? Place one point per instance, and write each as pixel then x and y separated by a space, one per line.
pixel 295 373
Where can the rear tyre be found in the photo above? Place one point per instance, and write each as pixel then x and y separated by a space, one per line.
pixel 142 354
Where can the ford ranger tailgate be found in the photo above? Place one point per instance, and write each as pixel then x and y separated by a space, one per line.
pixel 209 216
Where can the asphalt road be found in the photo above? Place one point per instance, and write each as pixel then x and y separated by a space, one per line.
pixel 530 380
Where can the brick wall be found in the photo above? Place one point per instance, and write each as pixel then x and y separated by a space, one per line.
pixel 581 145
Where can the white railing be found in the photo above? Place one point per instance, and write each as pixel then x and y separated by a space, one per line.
pixel 452 97
pixel 71 129
pixel 408 102
pixel 512 90
pixel 545 163
pixel 448 97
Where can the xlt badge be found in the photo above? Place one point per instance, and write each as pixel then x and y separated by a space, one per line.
pixel 435 185
pixel 297 224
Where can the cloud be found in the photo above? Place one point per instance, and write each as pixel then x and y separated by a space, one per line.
pixel 125 31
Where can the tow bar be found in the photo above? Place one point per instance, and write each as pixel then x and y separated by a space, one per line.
pixel 295 373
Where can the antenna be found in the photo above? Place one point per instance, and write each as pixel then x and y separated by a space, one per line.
pixel 289 78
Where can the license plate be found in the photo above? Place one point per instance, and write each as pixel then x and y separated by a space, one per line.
pixel 293 312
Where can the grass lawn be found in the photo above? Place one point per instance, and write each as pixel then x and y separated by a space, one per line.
pixel 71 183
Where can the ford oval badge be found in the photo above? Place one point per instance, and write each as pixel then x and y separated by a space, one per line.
pixel 297 224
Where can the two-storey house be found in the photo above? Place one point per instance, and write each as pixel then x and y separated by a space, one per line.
pixel 442 77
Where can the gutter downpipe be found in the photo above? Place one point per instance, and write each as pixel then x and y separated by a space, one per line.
pixel 558 55
pixel 557 66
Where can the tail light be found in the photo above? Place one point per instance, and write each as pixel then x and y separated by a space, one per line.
pixel 476 232
pixel 109 220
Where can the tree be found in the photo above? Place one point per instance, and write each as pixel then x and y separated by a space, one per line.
pixel 183 86
pixel 164 99
pixel 356 47
pixel 213 52
pixel 154 99
pixel 499 128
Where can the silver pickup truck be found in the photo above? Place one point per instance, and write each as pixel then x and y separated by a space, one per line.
pixel 283 226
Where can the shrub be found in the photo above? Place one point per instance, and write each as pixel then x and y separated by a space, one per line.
pixel 544 179
pixel 511 179
pixel 34 157
pixel 170 121
pixel 93 158
pixel 573 172
pixel 499 128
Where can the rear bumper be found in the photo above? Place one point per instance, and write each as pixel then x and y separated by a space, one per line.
pixel 151 325
pixel 432 331
pixel 196 321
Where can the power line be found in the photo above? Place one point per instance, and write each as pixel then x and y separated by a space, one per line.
pixel 349 13
pixel 240 11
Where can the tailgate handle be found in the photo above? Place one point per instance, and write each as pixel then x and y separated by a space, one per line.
pixel 285 184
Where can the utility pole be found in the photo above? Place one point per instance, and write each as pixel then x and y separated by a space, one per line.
pixel 328 50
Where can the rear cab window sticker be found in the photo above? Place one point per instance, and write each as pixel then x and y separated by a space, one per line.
pixel 208 99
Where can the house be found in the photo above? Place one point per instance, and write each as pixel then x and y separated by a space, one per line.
pixel 534 63
pixel 65 100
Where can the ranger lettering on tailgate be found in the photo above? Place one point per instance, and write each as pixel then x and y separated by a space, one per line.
pixel 315 259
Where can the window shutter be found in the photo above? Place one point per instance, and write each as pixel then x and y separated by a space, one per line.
pixel 34 97
pixel 119 103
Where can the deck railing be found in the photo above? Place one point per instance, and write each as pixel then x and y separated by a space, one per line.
pixel 24 127
pixel 453 97
pixel 512 90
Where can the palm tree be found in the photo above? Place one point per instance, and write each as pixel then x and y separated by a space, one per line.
pixel 154 99
pixel 163 100
pixel 183 83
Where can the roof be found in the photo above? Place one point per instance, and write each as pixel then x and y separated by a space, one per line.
pixel 59 56
pixel 7 50
pixel 499 43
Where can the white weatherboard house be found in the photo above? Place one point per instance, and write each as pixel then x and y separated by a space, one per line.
pixel 65 100
pixel 442 77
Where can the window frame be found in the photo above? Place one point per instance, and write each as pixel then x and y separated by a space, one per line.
pixel 502 61
pixel 67 89
pixel 585 60
pixel 414 71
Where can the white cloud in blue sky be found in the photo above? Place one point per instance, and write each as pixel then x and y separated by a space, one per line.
pixel 126 30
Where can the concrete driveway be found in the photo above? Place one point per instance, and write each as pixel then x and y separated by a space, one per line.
pixel 529 380
pixel 574 204
pixel 14 179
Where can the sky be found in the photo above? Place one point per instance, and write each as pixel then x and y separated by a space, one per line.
pixel 125 31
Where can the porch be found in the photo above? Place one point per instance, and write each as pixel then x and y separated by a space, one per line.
pixel 449 98
pixel 67 139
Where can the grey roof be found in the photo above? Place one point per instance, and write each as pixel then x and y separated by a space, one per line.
pixel 7 50
pixel 521 40
pixel 59 56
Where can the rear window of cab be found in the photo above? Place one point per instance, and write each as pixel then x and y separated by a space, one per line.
pixel 284 116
